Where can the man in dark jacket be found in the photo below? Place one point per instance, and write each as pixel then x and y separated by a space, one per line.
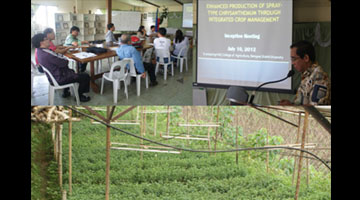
pixel 57 65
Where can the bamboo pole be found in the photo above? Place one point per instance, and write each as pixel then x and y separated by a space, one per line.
pixel 307 163
pixel 141 144
pixel 63 195
pixel 187 121
pixel 237 133
pixel 60 127
pixel 70 152
pixel 296 153
pixel 144 121
pixel 168 121
pixel 209 145
pixel 155 121
pixel 301 154
pixel 53 134
pixel 216 130
pixel 267 152
pixel 107 173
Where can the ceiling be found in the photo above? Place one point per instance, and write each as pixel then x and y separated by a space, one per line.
pixel 160 3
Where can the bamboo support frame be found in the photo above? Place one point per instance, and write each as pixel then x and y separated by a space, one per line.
pixel 136 145
pixel 146 150
pixel 107 172
pixel 199 125
pixel 185 138
pixel 301 154
pixel 70 152
pixel 216 130
pixel 236 137
pixel 267 152
pixel 155 121
pixel 297 141
pixel 167 122
pixel 59 129
pixel 58 143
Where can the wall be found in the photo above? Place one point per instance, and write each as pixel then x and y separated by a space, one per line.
pixel 83 6
pixel 312 11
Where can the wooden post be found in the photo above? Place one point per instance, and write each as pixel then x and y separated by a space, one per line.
pixel 107 175
pixel 297 141
pixel 209 128
pixel 54 139
pixel 109 9
pixel 141 146
pixel 307 163
pixel 168 121
pixel 144 121
pixel 60 126
pixel 301 154
pixel 187 122
pixel 70 151
pixel 155 121
pixel 237 133
pixel 216 130
pixel 267 152
pixel 137 113
pixel 63 195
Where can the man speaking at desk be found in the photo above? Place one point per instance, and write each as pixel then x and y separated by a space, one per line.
pixel 315 85
pixel 57 65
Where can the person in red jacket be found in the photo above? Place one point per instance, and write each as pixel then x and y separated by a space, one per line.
pixel 57 65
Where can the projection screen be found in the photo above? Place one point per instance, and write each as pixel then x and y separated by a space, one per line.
pixel 244 43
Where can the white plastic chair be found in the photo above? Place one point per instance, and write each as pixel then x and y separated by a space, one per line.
pixel 34 72
pixel 182 58
pixel 116 77
pixel 98 64
pixel 160 55
pixel 133 73
pixel 73 88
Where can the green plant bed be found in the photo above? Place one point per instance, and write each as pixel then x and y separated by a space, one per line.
pixel 178 176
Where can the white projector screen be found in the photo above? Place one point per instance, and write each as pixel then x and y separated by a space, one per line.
pixel 187 21
pixel 244 43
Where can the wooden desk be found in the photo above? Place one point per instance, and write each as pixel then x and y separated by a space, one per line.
pixel 100 56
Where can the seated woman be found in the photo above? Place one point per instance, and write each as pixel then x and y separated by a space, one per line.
pixel 50 34
pixel 179 42
pixel 57 65
pixel 141 33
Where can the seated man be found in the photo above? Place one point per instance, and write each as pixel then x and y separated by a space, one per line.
pixel 126 50
pixel 314 88
pixel 57 65
pixel 163 43
pixel 72 40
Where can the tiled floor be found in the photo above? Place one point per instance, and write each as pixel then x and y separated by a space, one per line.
pixel 176 90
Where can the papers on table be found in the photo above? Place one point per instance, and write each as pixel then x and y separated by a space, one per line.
pixel 113 48
pixel 83 55
pixel 76 49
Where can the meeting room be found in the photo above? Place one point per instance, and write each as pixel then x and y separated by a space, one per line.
pixel 111 52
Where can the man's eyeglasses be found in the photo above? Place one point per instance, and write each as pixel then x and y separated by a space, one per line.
pixel 293 59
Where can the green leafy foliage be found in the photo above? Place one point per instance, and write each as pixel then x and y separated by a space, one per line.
pixel 181 176
pixel 44 176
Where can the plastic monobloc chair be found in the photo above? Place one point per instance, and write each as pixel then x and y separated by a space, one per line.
pixel 133 73
pixel 163 58
pixel 116 77
pixel 73 88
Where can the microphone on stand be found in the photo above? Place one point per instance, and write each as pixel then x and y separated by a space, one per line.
pixel 291 73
